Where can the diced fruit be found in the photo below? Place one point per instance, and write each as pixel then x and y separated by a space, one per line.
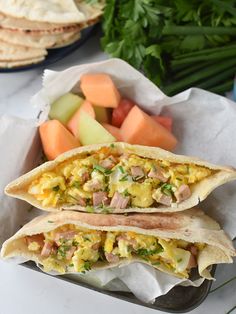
pixel 73 123
pixel 139 128
pixel 113 130
pixel 100 90
pixel 102 114
pixel 119 113
pixel 64 107
pixel 92 132
pixel 56 139
pixel 164 121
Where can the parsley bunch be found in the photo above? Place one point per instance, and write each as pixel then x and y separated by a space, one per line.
pixel 176 43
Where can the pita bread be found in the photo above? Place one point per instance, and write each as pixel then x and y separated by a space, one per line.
pixel 192 226
pixel 69 41
pixel 10 52
pixel 199 191
pixel 15 64
pixel 52 11
pixel 35 40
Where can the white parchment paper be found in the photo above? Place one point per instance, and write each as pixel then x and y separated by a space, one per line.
pixel 204 124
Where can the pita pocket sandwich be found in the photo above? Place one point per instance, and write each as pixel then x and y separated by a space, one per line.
pixel 120 178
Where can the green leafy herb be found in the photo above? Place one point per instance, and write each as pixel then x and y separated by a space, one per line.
pixel 121 169
pixel 71 265
pixel 56 188
pixel 86 238
pixel 167 189
pixel 179 260
pixel 146 252
pixel 102 169
pixel 179 179
pixel 112 145
pixel 89 209
pixel 87 265
pixel 126 193
pixel 63 249
pixel 76 184
pixel 156 263
pixel 50 221
pixel 124 178
pixel 153 35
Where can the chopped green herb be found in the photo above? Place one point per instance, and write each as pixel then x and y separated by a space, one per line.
pixel 87 265
pixel 50 221
pixel 89 209
pixel 76 184
pixel 106 210
pixel 178 179
pixel 156 263
pixel 121 169
pixel 56 188
pixel 112 145
pixel 75 243
pixel 126 193
pixel 71 265
pixel 167 189
pixel 86 238
pixel 124 178
pixel 102 169
pixel 146 252
pixel 179 260
pixel 63 249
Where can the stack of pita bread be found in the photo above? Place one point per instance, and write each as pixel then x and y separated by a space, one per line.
pixel 29 27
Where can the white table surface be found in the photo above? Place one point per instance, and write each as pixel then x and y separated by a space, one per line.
pixel 29 292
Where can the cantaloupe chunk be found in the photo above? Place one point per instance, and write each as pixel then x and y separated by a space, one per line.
pixel 92 132
pixel 64 107
pixel 73 123
pixel 139 128
pixel 100 90
pixel 102 114
pixel 56 139
pixel 164 121
pixel 113 130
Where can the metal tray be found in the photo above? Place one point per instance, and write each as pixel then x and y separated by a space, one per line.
pixel 177 300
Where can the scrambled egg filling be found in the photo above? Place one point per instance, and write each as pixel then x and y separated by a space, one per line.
pixel 70 248
pixel 146 182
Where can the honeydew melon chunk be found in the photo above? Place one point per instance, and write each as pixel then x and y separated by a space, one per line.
pixel 64 107
pixel 92 132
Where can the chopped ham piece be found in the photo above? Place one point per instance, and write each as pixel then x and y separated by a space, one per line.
pixel 39 238
pixel 111 258
pixel 157 173
pixel 81 201
pixel 108 163
pixel 193 249
pixel 182 193
pixel 137 171
pixel 192 262
pixel 165 200
pixel 85 177
pixel 66 235
pixel 94 185
pixel 119 201
pixel 100 198
pixel 132 242
pixel 70 252
pixel 47 249
pixel 162 198
pixel 96 246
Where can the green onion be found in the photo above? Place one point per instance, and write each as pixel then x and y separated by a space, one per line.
pixel 102 169
pixel 76 184
pixel 124 178
pixel 89 209
pixel 121 169
pixel 56 188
